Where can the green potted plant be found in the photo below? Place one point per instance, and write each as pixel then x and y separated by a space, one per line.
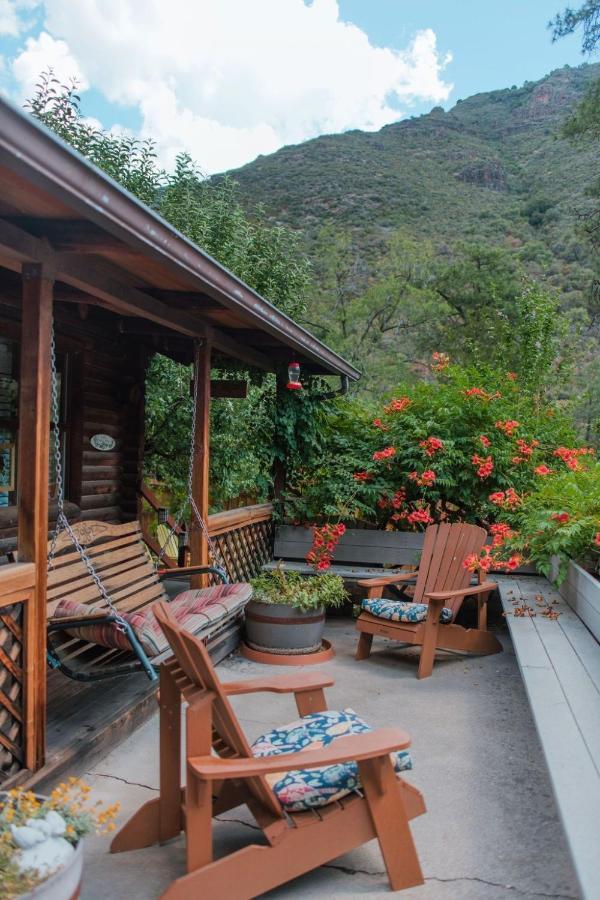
pixel 41 840
pixel 287 612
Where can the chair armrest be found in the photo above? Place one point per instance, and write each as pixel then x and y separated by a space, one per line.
pixel 486 587
pixel 81 621
pixel 284 684
pixel 369 745
pixel 178 571
pixel 388 579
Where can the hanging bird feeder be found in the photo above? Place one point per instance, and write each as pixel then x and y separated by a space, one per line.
pixel 294 377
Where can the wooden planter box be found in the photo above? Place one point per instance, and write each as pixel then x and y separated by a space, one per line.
pixel 361 552
pixel 582 592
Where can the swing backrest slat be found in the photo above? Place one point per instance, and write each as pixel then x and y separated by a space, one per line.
pixel 119 556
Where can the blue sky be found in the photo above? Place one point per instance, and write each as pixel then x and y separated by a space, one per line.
pixel 229 79
pixel 494 43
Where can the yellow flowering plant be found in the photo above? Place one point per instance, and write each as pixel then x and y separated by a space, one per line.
pixel 72 801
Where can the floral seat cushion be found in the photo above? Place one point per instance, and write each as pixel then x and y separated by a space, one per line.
pixel 197 611
pixel 401 610
pixel 304 789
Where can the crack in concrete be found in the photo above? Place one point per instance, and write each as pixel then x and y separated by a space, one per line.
pixel 348 870
pixel 238 822
pixel 123 780
pixel 507 887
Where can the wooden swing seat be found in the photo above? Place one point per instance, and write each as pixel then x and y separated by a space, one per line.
pixel 222 774
pixel 83 640
pixel 441 583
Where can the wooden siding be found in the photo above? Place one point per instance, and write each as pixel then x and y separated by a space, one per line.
pixel 105 394
pixel 112 403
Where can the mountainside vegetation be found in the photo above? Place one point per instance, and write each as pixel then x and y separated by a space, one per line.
pixel 430 234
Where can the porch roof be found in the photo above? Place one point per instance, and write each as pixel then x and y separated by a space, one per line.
pixel 105 247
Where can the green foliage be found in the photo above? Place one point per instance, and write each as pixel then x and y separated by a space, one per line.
pixel 575 498
pixel 587 17
pixel 304 593
pixel 476 203
pixel 451 411
pixel 267 257
pixel 584 123
pixel 241 450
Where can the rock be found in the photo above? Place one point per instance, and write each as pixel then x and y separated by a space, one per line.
pixel 485 173
pixel 26 836
pixel 56 823
pixel 43 848
pixel 51 854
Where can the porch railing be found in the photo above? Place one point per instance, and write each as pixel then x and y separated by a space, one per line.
pixel 243 537
pixel 17 588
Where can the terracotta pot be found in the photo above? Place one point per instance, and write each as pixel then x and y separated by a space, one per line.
pixel 278 628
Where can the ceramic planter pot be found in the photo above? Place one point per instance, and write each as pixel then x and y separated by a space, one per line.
pixel 64 884
pixel 278 628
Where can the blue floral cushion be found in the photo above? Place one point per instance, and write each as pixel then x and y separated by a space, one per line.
pixel 307 788
pixel 401 610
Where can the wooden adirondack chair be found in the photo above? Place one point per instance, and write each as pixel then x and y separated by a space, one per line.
pixel 222 774
pixel 85 639
pixel 440 586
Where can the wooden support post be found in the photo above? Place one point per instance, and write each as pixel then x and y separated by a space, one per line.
pixel 198 542
pixel 34 447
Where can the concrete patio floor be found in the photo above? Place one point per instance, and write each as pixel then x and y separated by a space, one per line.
pixel 491 830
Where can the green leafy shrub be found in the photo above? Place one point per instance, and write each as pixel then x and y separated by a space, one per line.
pixel 304 593
pixel 561 518
pixel 461 448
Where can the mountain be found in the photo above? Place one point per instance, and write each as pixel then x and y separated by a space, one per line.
pixel 492 169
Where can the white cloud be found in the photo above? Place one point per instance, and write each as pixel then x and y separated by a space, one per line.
pixel 229 79
pixel 41 53
pixel 13 18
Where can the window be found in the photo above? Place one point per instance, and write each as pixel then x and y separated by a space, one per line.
pixel 9 422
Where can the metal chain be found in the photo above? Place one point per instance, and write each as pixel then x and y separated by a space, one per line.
pixel 189 499
pixel 62 523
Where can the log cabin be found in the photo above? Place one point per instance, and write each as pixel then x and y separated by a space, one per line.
pixel 118 284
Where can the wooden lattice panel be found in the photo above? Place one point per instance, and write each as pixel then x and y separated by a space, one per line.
pixel 11 690
pixel 245 549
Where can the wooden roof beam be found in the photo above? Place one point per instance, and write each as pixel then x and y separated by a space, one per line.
pixel 72 235
pixel 101 282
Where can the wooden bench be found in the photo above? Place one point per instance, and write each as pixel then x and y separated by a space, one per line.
pixel 559 661
pixel 361 553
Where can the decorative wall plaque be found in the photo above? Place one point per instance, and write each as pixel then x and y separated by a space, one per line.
pixel 102 442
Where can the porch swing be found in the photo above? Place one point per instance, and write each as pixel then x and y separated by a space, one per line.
pixel 103 584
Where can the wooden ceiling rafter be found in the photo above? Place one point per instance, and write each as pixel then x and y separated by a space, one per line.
pixel 100 283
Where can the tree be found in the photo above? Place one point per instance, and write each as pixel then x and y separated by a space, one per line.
pixel 587 17
pixel 267 257
pixel 584 123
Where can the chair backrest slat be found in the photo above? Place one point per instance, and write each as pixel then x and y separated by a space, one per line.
pixel 444 551
pixel 229 739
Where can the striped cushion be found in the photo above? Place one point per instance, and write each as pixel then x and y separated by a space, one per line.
pixel 195 611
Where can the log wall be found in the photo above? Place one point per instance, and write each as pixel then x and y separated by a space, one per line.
pixel 105 394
